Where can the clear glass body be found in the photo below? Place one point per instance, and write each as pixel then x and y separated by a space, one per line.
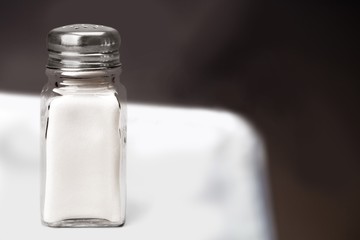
pixel 83 139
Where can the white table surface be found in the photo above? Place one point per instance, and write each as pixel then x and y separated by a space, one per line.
pixel 192 174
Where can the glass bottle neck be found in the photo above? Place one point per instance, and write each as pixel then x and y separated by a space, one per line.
pixel 67 82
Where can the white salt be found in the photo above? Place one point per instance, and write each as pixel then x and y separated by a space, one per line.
pixel 83 159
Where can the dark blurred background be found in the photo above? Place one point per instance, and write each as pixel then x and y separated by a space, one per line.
pixel 291 67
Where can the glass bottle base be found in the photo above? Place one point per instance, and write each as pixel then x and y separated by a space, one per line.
pixel 83 223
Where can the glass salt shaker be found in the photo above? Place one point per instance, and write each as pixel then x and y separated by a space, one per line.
pixel 83 129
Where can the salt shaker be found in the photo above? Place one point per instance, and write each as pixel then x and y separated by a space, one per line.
pixel 83 129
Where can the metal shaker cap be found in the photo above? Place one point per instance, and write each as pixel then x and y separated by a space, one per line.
pixel 80 47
